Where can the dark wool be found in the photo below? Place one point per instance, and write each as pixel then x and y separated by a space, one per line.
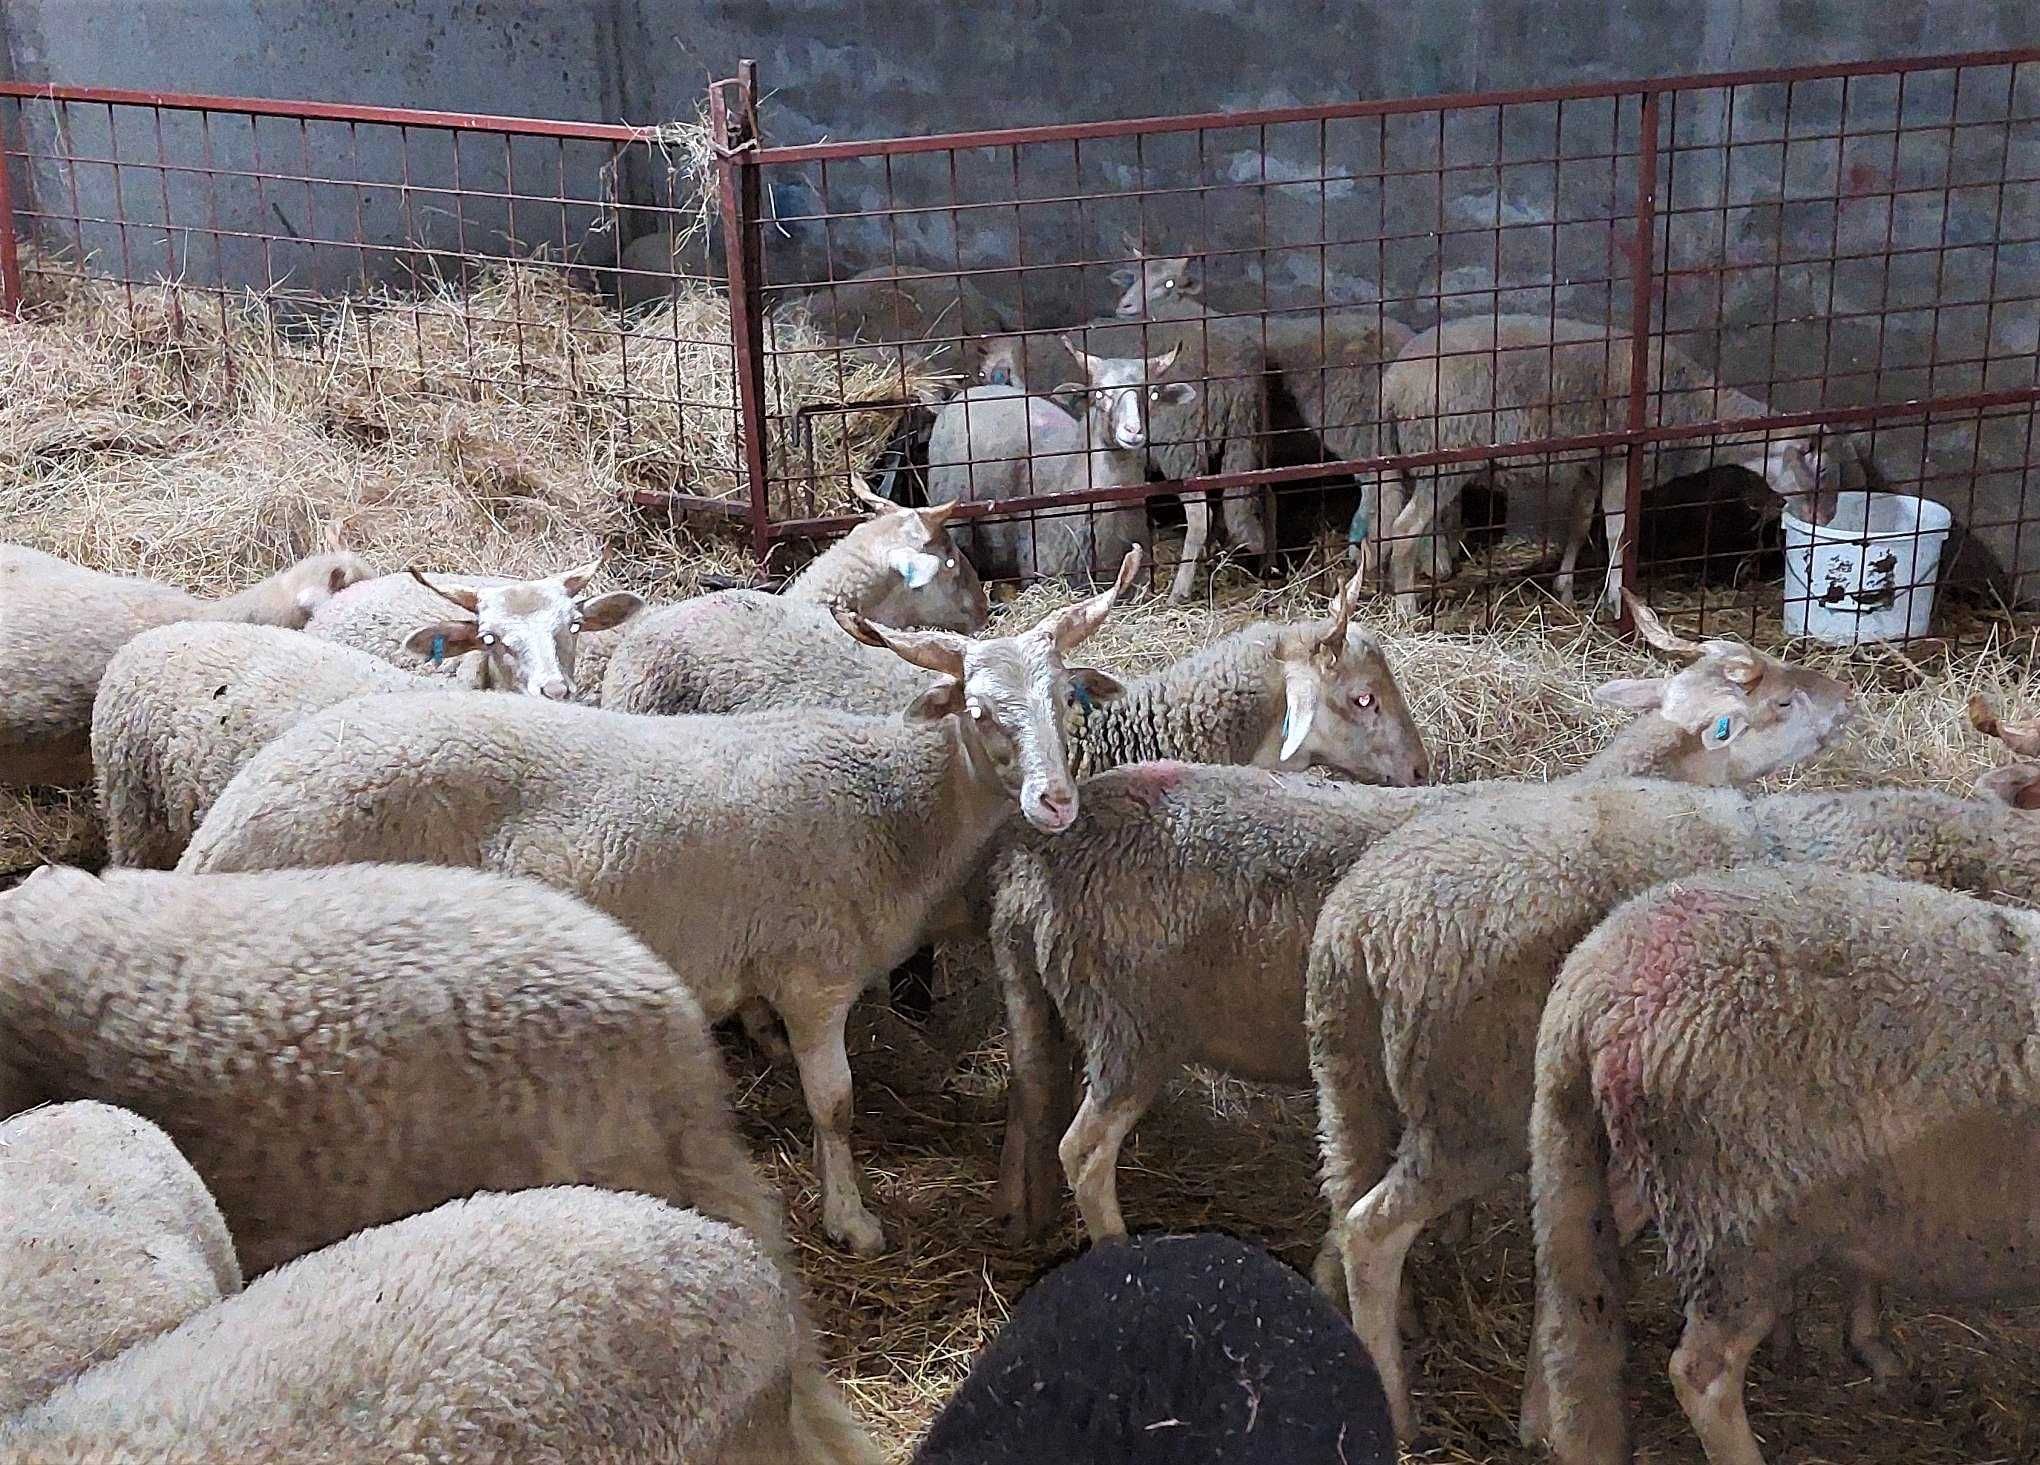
pixel 1168 1350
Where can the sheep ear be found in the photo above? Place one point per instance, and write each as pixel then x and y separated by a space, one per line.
pixel 1301 694
pixel 332 538
pixel 443 640
pixel 916 568
pixel 1638 694
pixel 1121 277
pixel 2016 786
pixel 576 580
pixel 944 699
pixel 1088 685
pixel 463 596
pixel 607 612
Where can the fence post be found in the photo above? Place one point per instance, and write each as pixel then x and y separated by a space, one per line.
pixel 735 136
pixel 1641 278
pixel 10 262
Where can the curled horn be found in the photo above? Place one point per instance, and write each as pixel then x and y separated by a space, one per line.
pixel 1344 602
pixel 1071 627
pixel 1658 635
pixel 2022 738
pixel 464 597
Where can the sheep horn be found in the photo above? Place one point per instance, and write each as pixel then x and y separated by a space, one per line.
pixel 1344 602
pixel 1655 632
pixel 1070 627
pixel 864 491
pixel 938 651
pixel 461 595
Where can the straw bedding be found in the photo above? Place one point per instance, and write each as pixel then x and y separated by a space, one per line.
pixel 167 433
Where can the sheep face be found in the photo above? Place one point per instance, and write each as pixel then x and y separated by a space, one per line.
pixel 1008 695
pixel 2018 784
pixel 1344 710
pixel 312 582
pixel 1122 390
pixel 934 584
pixel 1156 282
pixel 1793 467
pixel 524 633
pixel 1753 714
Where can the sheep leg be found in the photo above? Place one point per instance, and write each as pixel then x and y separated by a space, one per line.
pixel 1412 528
pixel 1576 530
pixel 1245 524
pixel 1197 522
pixel 1868 1341
pixel 1038 1094
pixel 761 1026
pixel 1707 1372
pixel 1615 513
pixel 1090 1157
pixel 825 1080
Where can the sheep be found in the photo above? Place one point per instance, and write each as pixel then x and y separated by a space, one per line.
pixel 107 1237
pixel 1251 697
pixel 524 632
pixel 995 442
pixel 744 850
pixel 1481 380
pixel 898 568
pixel 64 622
pixel 1191 892
pixel 565 1324
pixel 2016 784
pixel 1783 1069
pixel 1194 1350
pixel 1420 1027
pixel 182 707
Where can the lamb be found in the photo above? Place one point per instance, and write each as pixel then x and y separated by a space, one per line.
pixel 1783 1069
pixel 1195 1350
pixel 1480 380
pixel 778 828
pixel 522 632
pixel 995 442
pixel 1226 870
pixel 1423 1026
pixel 64 622
pixel 555 1325
pixel 107 1237
pixel 182 707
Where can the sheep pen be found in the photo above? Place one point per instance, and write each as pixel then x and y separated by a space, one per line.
pixel 150 430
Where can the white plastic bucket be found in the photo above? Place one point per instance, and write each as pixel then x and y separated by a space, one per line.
pixel 1868 574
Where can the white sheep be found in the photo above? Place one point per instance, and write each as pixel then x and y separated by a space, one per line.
pixel 1511 378
pixel 523 633
pixel 996 442
pixel 900 567
pixel 61 623
pixel 107 1237
pixel 1432 961
pixel 182 707
pixel 1173 927
pixel 549 1326
pixel 1782 1069
pixel 792 857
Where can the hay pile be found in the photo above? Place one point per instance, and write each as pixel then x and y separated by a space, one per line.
pixel 163 432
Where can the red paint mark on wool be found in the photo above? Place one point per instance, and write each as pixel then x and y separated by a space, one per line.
pixel 1654 954
pixel 1148 782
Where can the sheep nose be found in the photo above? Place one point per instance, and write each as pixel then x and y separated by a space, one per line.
pixel 556 690
pixel 1052 809
pixel 1420 771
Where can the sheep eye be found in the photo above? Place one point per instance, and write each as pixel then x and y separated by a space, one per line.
pixel 488 638
pixel 1363 699
pixel 977 711
pixel 949 564
pixel 1168 284
pixel 574 627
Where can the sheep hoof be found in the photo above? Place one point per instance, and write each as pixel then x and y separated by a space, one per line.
pixel 859 1231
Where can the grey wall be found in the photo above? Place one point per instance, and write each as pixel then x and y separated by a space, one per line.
pixel 1463 214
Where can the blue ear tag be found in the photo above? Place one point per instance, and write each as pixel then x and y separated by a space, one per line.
pixel 1082 694
pixel 1721 726
pixel 438 649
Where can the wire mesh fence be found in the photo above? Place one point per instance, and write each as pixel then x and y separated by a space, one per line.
pixel 1761 346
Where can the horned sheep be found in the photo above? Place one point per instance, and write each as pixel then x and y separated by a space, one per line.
pixel 1421 1027
pixel 107 1238
pixel 1512 378
pixel 63 623
pixel 813 847
pixel 1227 869
pixel 1782 1069
pixel 547 1325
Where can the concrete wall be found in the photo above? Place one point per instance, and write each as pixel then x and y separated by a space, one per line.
pixel 1452 215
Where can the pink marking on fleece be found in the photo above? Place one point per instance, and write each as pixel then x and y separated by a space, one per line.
pixel 1151 782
